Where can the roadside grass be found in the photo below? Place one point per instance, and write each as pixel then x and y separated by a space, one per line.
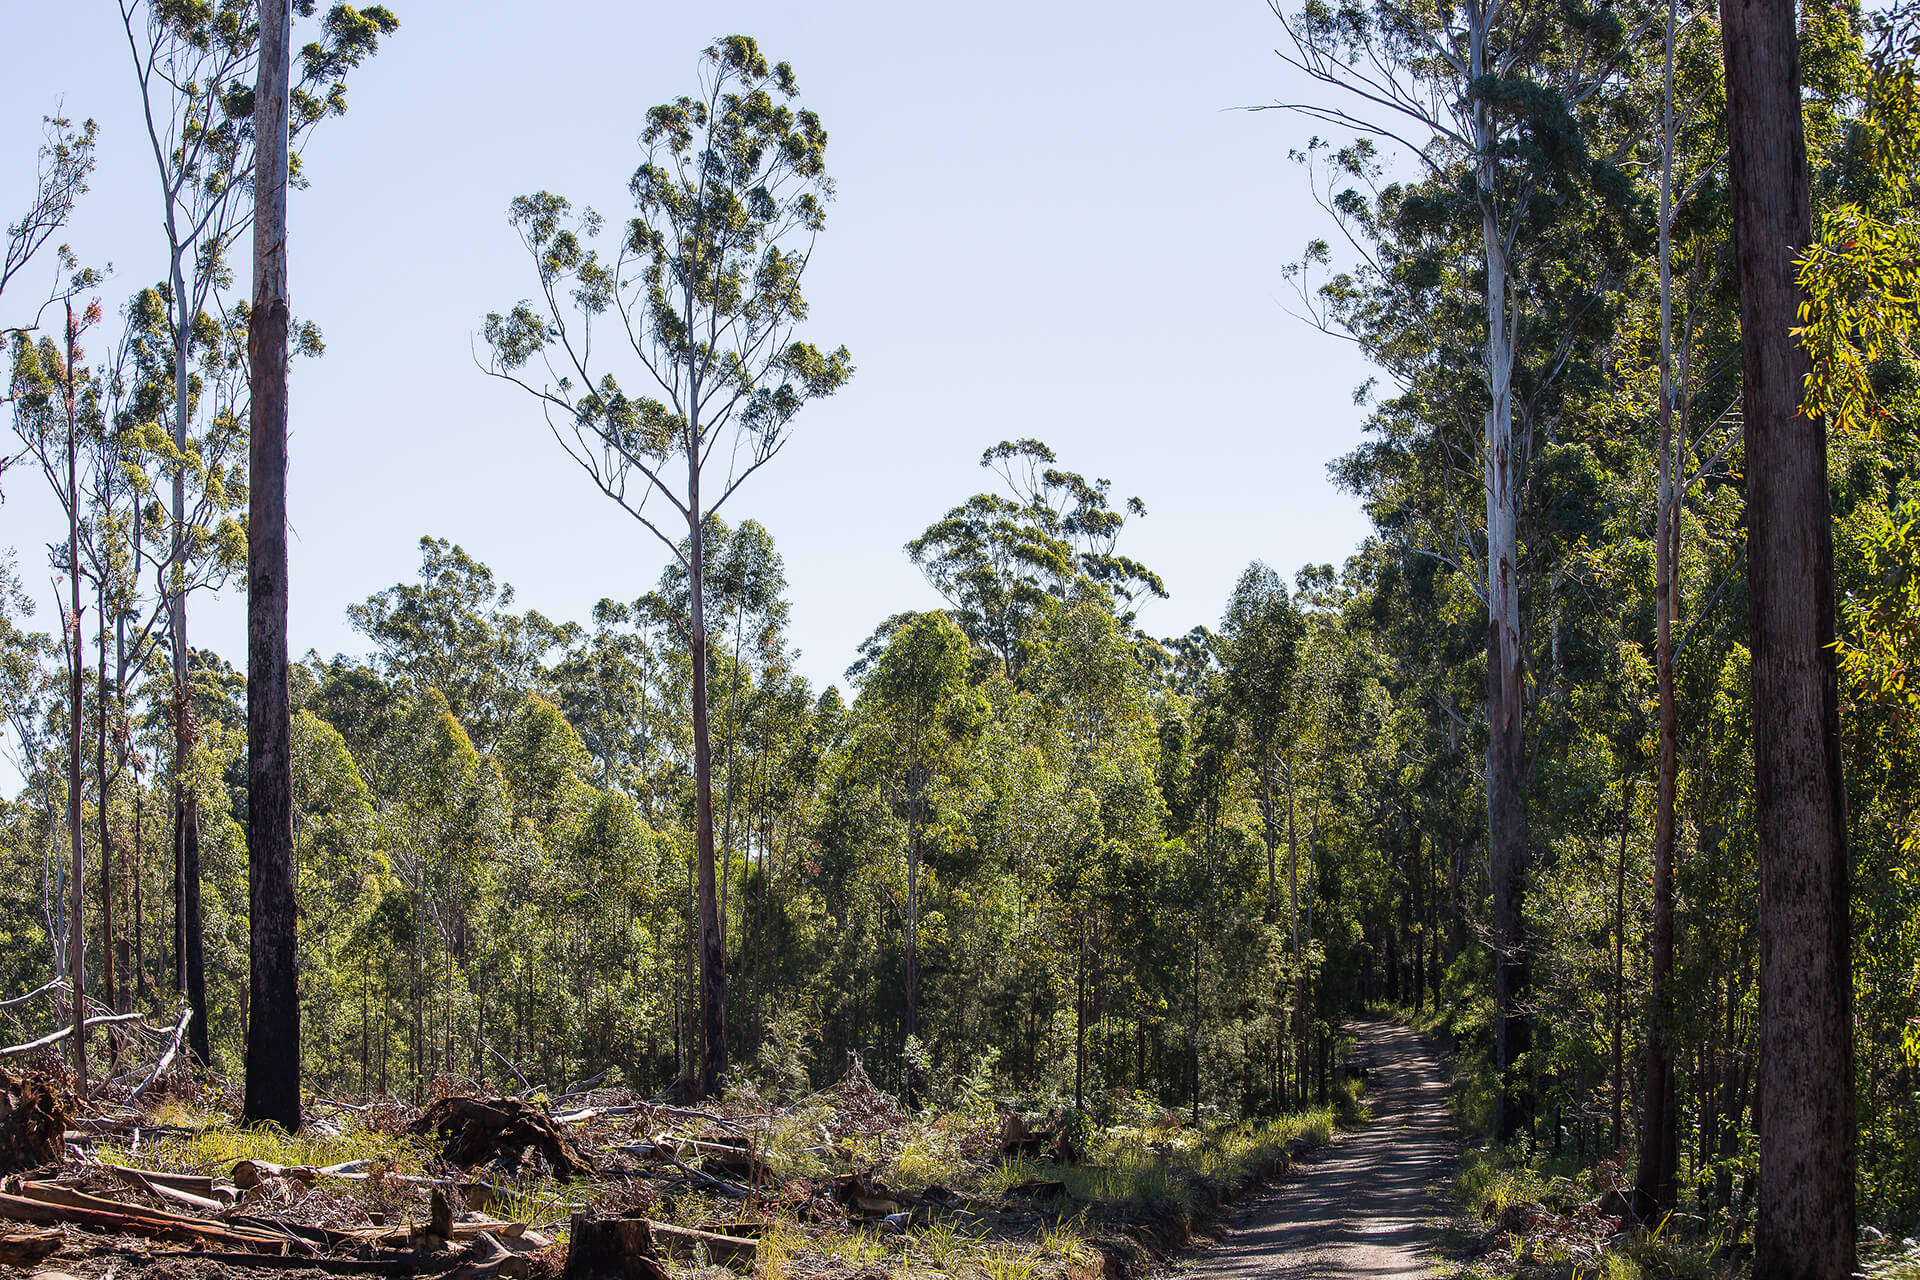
pixel 1178 1172
pixel 1490 1182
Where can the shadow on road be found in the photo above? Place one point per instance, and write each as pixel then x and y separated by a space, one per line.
pixel 1366 1208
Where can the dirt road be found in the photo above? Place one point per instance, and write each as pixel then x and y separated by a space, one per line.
pixel 1365 1206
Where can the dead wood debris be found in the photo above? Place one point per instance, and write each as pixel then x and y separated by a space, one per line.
pixel 26 1247
pixel 507 1134
pixel 35 1109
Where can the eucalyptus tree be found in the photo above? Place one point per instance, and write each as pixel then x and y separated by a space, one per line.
pixel 1261 637
pixel 1262 634
pixel 66 161
pixel 1004 561
pixel 195 65
pixel 745 587
pixel 920 716
pixel 112 542
pixel 1689 318
pixel 604 684
pixel 1860 320
pixel 705 289
pixel 1501 105
pixel 273 988
pixel 56 408
pixel 454 631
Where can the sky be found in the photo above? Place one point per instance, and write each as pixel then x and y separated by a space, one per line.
pixel 1052 220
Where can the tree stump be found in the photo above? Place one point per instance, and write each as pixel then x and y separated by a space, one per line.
pixel 612 1249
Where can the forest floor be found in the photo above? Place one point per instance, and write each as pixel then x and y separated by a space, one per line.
pixel 1367 1206
pixel 842 1184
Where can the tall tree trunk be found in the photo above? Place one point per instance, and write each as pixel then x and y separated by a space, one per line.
pixel 1805 1227
pixel 190 973
pixel 733 732
pixel 1506 740
pixel 273 989
pixel 913 915
pixel 76 714
pixel 139 974
pixel 1655 1190
pixel 713 955
pixel 1617 1013
pixel 1267 826
pixel 110 987
pixel 1296 1015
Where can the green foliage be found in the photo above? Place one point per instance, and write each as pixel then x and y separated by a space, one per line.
pixel 1005 561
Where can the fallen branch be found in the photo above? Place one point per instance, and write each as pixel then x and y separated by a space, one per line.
pixel 526 1086
pixel 691 1114
pixel 37 991
pixel 579 1087
pixel 336 1266
pixel 64 1032
pixel 166 1059
pixel 701 1178
pixel 592 1113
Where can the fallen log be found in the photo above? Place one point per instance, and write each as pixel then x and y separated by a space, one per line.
pixel 591 1113
pixel 28 1247
pixel 683 1242
pixel 307 1237
pixel 747 1230
pixel 336 1266
pixel 125 1220
pixel 248 1174
pixel 182 1188
pixel 59 1193
pixel 488 1259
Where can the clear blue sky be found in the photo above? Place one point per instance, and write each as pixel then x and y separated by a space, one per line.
pixel 1051 221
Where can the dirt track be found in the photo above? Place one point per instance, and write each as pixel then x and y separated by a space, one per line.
pixel 1363 1209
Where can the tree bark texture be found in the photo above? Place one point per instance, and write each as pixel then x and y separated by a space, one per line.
pixel 273 992
pixel 1805 1224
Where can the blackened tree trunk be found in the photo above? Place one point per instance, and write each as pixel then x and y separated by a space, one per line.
pixel 1805 1224
pixel 190 970
pixel 273 991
